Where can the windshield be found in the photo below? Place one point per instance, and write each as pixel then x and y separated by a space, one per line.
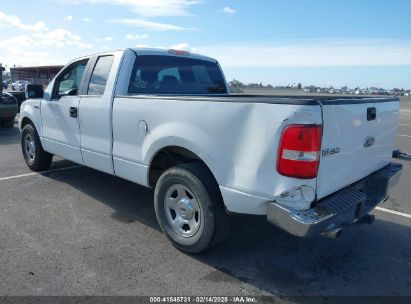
pixel 175 75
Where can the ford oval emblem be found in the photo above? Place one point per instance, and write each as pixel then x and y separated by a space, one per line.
pixel 369 141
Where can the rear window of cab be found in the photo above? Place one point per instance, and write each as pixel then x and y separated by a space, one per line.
pixel 153 74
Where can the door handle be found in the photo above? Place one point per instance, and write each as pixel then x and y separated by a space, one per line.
pixel 73 112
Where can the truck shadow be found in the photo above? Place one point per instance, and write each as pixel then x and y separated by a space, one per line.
pixel 367 260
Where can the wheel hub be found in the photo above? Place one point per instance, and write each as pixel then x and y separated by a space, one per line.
pixel 29 146
pixel 182 210
pixel 185 209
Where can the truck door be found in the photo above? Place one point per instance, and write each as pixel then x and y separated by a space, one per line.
pixel 95 113
pixel 60 123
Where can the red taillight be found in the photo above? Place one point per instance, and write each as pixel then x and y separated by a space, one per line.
pixel 299 151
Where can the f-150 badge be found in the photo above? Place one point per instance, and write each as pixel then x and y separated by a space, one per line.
pixel 331 151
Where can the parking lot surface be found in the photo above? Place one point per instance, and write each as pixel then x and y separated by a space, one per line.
pixel 82 232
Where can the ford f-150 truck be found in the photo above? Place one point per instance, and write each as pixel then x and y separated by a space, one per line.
pixel 164 119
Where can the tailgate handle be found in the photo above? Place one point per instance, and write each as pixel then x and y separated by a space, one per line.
pixel 371 113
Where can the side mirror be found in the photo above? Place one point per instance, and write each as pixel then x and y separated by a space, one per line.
pixel 34 91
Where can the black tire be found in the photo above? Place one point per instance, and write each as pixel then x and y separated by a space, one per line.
pixel 41 159
pixel 214 221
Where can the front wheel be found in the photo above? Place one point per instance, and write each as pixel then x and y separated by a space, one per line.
pixel 36 158
pixel 189 208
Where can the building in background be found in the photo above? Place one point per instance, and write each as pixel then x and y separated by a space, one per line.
pixel 36 75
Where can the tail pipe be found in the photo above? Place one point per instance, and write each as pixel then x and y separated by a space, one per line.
pixel 333 233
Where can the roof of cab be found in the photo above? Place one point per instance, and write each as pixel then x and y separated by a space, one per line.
pixel 171 52
pixel 150 51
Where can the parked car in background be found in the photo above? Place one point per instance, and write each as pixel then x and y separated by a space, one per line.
pixel 19 85
pixel 20 96
pixel 14 85
pixel 5 84
pixel 8 109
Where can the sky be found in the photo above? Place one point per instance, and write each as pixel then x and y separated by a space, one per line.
pixel 318 42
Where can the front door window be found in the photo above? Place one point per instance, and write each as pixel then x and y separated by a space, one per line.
pixel 68 82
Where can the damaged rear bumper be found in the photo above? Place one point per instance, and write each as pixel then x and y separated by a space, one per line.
pixel 346 206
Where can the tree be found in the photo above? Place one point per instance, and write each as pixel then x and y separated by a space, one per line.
pixel 236 83
pixel 299 86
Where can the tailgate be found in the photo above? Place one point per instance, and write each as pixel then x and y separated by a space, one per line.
pixel 355 143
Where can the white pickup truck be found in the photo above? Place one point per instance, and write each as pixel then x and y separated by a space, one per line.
pixel 165 119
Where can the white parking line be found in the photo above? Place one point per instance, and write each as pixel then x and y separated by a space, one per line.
pixel 36 173
pixel 404 135
pixel 393 212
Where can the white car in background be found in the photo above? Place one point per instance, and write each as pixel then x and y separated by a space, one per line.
pixel 19 85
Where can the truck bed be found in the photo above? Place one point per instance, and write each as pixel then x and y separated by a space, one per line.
pixel 345 128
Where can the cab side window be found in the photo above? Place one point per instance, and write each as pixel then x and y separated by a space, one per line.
pixel 100 75
pixel 68 83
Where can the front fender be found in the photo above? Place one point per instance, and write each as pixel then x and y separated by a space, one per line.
pixel 30 109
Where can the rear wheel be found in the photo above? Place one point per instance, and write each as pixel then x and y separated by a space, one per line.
pixel 189 208
pixel 36 158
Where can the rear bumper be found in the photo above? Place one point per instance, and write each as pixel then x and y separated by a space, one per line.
pixel 343 207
